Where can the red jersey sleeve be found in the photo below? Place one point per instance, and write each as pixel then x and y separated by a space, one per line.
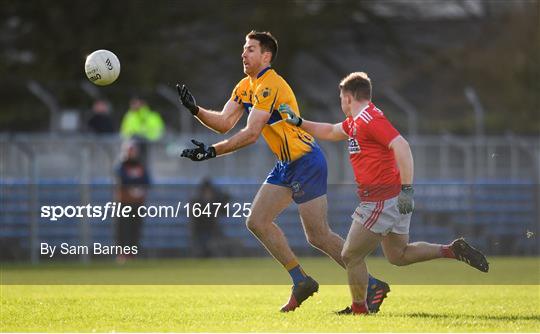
pixel 346 126
pixel 382 131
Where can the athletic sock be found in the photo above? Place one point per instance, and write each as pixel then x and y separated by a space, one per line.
pixel 359 308
pixel 297 273
pixel 447 252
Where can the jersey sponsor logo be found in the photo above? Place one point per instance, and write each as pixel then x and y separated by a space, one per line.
pixel 354 147
pixel 297 189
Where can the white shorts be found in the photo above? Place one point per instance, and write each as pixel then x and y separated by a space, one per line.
pixel 382 217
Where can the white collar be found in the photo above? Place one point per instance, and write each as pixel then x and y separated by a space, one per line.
pixel 361 111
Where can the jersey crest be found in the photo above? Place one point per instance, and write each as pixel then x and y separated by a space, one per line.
pixel 354 147
pixel 266 93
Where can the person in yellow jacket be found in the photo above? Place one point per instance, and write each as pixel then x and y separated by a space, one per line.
pixel 141 122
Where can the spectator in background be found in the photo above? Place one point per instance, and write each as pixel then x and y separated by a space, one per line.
pixel 100 121
pixel 205 230
pixel 142 124
pixel 132 181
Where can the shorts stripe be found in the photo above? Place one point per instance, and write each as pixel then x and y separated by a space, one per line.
pixel 378 214
pixel 375 215
pixel 372 214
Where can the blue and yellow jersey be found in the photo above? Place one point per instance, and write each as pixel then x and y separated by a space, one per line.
pixel 267 93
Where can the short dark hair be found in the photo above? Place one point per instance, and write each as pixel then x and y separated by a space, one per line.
pixel 266 40
pixel 358 84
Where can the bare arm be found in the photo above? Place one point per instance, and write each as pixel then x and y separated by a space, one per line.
pixel 247 136
pixel 404 159
pixel 324 131
pixel 221 121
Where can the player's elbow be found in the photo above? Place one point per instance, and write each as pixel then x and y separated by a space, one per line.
pixel 226 127
pixel 223 130
pixel 252 134
pixel 252 137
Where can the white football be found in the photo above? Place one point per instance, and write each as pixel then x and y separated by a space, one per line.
pixel 102 67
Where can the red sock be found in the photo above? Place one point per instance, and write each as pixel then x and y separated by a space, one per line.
pixel 359 308
pixel 447 252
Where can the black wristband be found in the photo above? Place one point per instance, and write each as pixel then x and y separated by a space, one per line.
pixel 406 187
pixel 194 110
pixel 212 151
pixel 300 120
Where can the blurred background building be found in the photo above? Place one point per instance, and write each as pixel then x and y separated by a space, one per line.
pixel 460 78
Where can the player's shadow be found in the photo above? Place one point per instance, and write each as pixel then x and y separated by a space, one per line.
pixel 483 317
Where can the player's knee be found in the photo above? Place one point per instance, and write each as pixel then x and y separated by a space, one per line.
pixel 349 257
pixel 252 225
pixel 396 259
pixel 320 238
pixel 316 241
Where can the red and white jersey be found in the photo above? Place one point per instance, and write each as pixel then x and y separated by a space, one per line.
pixel 373 162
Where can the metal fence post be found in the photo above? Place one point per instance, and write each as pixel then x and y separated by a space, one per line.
pixel 472 97
pixel 85 197
pixel 33 178
pixel 48 100
pixel 34 206
pixel 171 96
pixel 407 107
pixel 444 158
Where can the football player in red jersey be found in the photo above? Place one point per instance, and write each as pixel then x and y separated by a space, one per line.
pixel 383 167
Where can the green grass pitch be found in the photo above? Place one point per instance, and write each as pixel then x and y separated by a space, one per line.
pixel 488 303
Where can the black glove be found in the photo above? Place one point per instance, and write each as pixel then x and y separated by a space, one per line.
pixel 405 202
pixel 187 99
pixel 202 152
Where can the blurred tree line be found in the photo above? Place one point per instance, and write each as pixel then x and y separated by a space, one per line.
pixel 430 55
